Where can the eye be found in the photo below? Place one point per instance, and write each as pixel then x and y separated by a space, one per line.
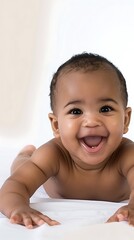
pixel 106 109
pixel 75 111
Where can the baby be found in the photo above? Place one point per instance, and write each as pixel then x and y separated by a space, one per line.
pixel 88 158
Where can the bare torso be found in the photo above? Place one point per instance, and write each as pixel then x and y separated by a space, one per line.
pixel 73 182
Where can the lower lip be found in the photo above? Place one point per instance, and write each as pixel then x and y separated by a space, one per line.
pixel 93 149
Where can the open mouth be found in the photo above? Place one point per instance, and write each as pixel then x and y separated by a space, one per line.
pixel 92 143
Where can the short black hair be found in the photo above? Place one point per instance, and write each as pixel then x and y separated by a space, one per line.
pixel 86 62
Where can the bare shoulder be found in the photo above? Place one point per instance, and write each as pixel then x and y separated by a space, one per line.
pixel 48 156
pixel 127 155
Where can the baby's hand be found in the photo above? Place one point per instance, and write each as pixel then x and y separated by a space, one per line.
pixel 30 218
pixel 125 213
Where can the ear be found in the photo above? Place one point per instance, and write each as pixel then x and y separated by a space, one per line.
pixel 54 124
pixel 127 118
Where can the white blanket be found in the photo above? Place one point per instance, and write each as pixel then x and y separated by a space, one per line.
pixel 79 220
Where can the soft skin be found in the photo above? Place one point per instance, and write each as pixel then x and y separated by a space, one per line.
pixel 88 158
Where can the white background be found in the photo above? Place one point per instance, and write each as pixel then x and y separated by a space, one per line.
pixel 36 36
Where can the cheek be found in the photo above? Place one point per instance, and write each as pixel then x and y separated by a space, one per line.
pixel 117 127
pixel 65 125
pixel 67 128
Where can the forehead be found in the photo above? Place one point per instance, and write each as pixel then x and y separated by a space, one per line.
pixel 106 76
pixel 87 85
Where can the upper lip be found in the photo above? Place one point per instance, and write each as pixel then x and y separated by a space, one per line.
pixel 92 139
pixel 94 135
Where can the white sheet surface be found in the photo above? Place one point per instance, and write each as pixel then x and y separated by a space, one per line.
pixel 79 219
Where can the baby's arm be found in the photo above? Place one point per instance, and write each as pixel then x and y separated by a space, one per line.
pixel 126 213
pixel 18 188
pixel 14 203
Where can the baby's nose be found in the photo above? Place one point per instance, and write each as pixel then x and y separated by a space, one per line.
pixel 91 120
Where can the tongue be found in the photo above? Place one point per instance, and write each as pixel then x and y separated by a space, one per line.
pixel 92 141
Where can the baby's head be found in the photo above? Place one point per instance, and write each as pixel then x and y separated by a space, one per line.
pixel 86 62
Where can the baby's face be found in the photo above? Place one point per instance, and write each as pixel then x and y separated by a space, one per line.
pixel 90 114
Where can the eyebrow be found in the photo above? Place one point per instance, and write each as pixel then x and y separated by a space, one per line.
pixel 108 100
pixel 73 102
pixel 101 100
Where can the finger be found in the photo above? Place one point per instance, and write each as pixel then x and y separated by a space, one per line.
pixel 119 216
pixel 22 220
pixel 53 222
pixel 16 219
pixel 30 220
pixel 50 221
pixel 113 218
pixel 39 220
pixel 122 217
